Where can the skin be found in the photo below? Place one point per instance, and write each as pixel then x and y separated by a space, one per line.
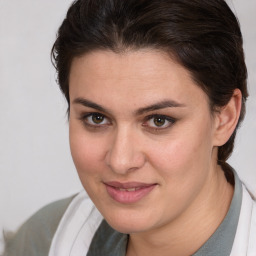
pixel 124 144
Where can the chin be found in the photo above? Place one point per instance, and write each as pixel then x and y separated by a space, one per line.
pixel 127 228
pixel 129 222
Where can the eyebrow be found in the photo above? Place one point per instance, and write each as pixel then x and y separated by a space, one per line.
pixel 159 105
pixel 140 111
pixel 90 104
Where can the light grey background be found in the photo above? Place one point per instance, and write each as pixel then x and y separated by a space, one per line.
pixel 35 162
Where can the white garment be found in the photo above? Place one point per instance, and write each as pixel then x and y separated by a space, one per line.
pixel 76 228
pixel 245 239
pixel 81 220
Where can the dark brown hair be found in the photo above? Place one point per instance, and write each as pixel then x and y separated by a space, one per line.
pixel 202 35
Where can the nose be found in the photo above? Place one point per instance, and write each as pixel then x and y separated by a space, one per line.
pixel 125 154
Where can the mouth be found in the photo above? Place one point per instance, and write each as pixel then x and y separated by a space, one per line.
pixel 128 193
pixel 128 189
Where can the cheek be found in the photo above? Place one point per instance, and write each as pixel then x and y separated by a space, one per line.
pixel 183 165
pixel 186 152
pixel 87 152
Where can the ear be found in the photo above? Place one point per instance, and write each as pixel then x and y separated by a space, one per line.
pixel 226 119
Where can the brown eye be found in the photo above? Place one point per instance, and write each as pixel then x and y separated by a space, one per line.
pixel 159 121
pixel 97 118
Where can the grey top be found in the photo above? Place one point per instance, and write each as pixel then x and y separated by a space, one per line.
pixel 34 237
pixel 109 242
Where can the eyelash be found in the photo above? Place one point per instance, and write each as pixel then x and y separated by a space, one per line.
pixel 168 121
pixel 84 119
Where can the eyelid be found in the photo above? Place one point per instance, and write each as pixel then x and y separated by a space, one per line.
pixel 161 116
pixel 171 121
pixel 84 119
pixel 85 116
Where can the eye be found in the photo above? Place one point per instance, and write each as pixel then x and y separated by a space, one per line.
pixel 95 119
pixel 158 121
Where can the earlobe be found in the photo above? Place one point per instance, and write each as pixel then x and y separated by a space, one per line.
pixel 227 118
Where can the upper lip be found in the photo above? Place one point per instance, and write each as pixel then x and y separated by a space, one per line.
pixel 127 185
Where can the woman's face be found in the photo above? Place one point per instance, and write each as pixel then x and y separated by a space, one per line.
pixel 141 137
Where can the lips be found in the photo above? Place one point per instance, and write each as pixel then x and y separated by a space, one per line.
pixel 130 192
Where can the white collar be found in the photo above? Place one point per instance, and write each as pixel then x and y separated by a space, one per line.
pixel 76 228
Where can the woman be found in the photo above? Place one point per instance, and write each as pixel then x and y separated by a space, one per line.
pixel 156 91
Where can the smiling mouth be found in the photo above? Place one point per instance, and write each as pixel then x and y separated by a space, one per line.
pixel 128 193
pixel 128 189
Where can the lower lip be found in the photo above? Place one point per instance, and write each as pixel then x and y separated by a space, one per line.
pixel 129 197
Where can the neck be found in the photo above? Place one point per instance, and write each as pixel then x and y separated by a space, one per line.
pixel 193 228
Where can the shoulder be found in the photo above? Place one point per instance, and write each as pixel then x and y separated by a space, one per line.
pixel 35 235
pixel 248 213
pixel 252 236
pixel 244 243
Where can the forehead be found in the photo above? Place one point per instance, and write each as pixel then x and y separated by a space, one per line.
pixel 143 75
pixel 140 62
